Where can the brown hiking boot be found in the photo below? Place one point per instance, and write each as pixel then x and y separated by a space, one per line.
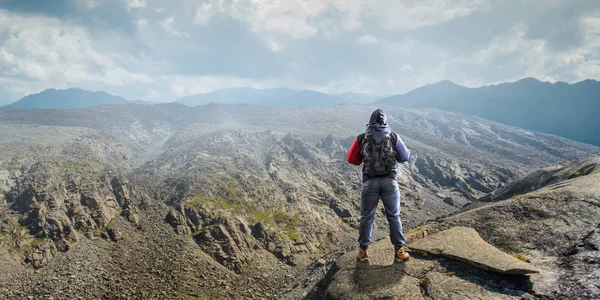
pixel 400 254
pixel 362 255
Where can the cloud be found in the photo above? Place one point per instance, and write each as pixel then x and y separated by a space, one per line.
pixel 305 19
pixel 132 4
pixel 513 55
pixel 406 15
pixel 168 25
pixel 281 24
pixel 96 15
pixel 583 67
pixel 367 40
pixel 40 53
pixel 275 46
pixel 566 29
pixel 204 13
pixel 142 22
pixel 273 16
pixel 270 16
pixel 163 50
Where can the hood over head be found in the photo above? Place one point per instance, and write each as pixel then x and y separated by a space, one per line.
pixel 378 127
pixel 378 117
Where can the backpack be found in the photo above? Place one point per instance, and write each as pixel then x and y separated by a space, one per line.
pixel 379 158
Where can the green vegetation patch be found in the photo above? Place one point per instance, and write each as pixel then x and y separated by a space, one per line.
pixel 279 219
pixel 283 218
pixel 232 196
pixel 32 245
pixel 292 234
pixel 587 171
pixel 84 165
pixel 520 256
pixel 236 204
pixel 264 217
pixel 101 229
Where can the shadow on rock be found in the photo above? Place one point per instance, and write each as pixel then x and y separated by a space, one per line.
pixel 468 278
pixel 371 277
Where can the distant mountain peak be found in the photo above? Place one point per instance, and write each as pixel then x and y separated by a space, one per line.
pixel 588 82
pixel 70 98
pixel 440 87
pixel 445 82
pixel 72 90
pixel 528 103
pixel 530 80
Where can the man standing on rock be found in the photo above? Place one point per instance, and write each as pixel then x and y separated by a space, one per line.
pixel 380 150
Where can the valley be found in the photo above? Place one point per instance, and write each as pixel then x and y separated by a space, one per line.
pixel 227 201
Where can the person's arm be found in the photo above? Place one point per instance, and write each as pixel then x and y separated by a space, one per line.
pixel 402 153
pixel 354 156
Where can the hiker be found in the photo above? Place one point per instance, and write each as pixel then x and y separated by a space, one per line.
pixel 379 149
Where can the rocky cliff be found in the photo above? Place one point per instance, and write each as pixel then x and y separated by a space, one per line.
pixel 547 238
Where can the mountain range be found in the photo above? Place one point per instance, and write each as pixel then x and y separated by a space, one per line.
pixel 69 99
pixel 275 97
pixel 74 98
pixel 569 110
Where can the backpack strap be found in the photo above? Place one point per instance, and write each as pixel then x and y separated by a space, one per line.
pixel 367 165
pixel 374 151
pixel 361 138
pixel 394 138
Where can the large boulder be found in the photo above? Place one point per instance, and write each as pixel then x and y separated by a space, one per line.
pixel 555 227
pixel 228 241
pixel 465 244
pixel 551 220
pixel 422 277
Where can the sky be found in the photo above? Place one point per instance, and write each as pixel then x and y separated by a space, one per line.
pixel 160 50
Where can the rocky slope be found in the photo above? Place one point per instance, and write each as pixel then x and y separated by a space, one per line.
pixel 547 176
pixel 555 228
pixel 244 196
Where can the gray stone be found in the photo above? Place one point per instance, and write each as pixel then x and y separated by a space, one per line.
pixel 449 201
pixel 340 211
pixel 446 286
pixel 379 277
pixel 114 234
pixel 370 282
pixel 465 244
pixel 592 242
